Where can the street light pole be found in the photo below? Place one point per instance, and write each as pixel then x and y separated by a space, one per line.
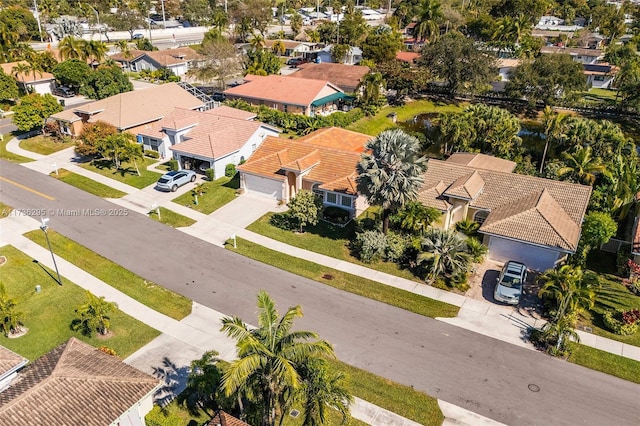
pixel 164 20
pixel 44 228
pixel 97 19
pixel 35 5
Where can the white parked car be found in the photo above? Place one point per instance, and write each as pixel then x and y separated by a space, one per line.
pixel 510 283
pixel 173 180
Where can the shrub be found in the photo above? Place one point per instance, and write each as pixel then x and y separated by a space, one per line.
pixel 622 260
pixel 230 170
pixel 163 417
pixel 614 322
pixel 476 249
pixel 370 246
pixel 211 174
pixel 335 214
pixel 468 227
pixel 396 246
pixel 173 165
pixel 151 153
pixel 284 221
pixel 459 281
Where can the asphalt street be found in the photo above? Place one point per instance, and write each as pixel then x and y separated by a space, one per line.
pixel 510 384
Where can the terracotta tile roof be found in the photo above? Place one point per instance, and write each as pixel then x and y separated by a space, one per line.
pixel 179 55
pixel 467 187
pixel 67 115
pixel 132 56
pixel 223 419
pixel 9 362
pixel 482 161
pixel 410 57
pixel 32 77
pixel 536 218
pixel 346 77
pixel 211 136
pixel 131 109
pixel 288 44
pixel 225 111
pixel 334 169
pixel 282 89
pixel 507 190
pixel 73 384
pixel 432 197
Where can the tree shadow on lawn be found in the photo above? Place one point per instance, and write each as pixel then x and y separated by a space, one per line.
pixel 108 164
pixel 234 183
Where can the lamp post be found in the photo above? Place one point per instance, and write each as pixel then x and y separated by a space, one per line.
pixel 44 228
pixel 97 19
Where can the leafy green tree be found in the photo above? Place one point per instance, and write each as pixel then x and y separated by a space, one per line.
pixel 95 50
pixel 444 253
pixel 145 44
pixel 118 148
pixel 390 172
pixel 306 208
pixel 339 52
pixel 10 318
pixel 72 72
pixel 625 177
pixel 371 87
pixel 327 32
pixel 8 88
pixel 558 333
pixel 597 229
pixel 93 315
pixel 353 28
pixel 261 62
pixel 203 382
pixel 20 22
pixel 568 290
pixel 296 23
pixel 105 82
pixel 581 166
pixel 459 62
pixel 279 48
pixel 414 217
pixel 71 48
pixel 91 136
pixel 382 46
pixel 429 19
pixel 197 12
pixel 127 19
pixel 270 359
pixel 33 110
pixel 548 79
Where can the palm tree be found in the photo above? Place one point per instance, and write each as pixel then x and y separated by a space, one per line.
pixel 371 85
pixel 257 41
pixel 95 50
pixel 625 174
pixel 71 48
pixel 202 383
pixel 94 315
pixel 20 71
pixel 429 16
pixel 558 332
pixel 415 217
pixel 570 289
pixel 11 319
pixel 279 48
pixel 390 172
pixel 270 358
pixel 323 390
pixel 553 126
pixel 458 132
pixel 581 165
pixel 444 252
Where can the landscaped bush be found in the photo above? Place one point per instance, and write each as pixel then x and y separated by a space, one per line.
pixel 335 215
pixel 622 260
pixel 284 221
pixel 476 249
pixel 159 417
pixel 370 246
pixel 211 174
pixel 468 227
pixel 230 170
pixel 173 165
pixel 621 322
pixel 396 247
pixel 301 124
pixel 151 153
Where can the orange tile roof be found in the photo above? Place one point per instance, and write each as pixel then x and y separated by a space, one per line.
pixel 223 419
pixel 332 167
pixel 346 77
pixel 282 89
pixel 482 161
pixel 132 55
pixel 506 194
pixel 73 384
pixel 410 57
pixel 288 44
pixel 32 77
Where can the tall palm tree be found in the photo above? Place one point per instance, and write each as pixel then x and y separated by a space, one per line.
pixel 570 289
pixel 444 252
pixel 95 50
pixel 71 48
pixel 323 390
pixel 371 85
pixel 21 71
pixel 553 127
pixel 390 172
pixel 279 48
pixel 270 358
pixel 625 175
pixel 429 17
pixel 581 165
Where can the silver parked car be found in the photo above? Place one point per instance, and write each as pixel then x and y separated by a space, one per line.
pixel 510 283
pixel 173 180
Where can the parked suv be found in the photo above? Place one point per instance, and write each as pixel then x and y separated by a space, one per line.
pixel 64 92
pixel 510 283
pixel 173 180
pixel 219 97
pixel 293 63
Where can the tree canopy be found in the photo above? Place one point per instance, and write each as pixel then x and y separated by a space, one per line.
pixel 8 87
pixel 105 82
pixel 72 72
pixel 33 110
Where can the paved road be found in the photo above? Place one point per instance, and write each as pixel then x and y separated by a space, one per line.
pixel 481 374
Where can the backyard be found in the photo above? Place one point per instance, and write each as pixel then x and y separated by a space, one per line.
pixel 49 313
pixel 211 195
pixel 126 173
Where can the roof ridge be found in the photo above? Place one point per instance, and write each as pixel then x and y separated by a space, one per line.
pixel 547 216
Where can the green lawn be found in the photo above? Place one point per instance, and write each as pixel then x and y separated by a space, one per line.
pixel 326 239
pixel 214 195
pixel 171 218
pixel 351 283
pixel 10 156
pixel 5 209
pixel 48 314
pixel 44 145
pixel 145 292
pixel 126 173
pixel 397 398
pixel 615 365
pixel 379 122
pixel 87 185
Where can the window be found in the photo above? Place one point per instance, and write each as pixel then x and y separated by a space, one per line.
pixel 480 216
pixel 346 201
pixel 598 77
pixel 332 198
pixel 285 108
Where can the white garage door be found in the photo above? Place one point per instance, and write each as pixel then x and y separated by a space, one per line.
pixel 263 186
pixel 534 257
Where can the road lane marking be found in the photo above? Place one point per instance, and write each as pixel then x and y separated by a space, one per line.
pixel 26 188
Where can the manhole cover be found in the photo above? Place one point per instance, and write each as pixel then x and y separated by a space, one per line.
pixel 327 276
pixel 294 413
pixel 534 388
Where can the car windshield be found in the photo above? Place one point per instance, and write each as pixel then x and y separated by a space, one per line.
pixel 164 180
pixel 511 282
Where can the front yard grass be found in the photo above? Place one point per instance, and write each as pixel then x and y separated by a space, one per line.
pixel 171 218
pixel 44 145
pixel 48 314
pixel 351 283
pixel 126 173
pixel 397 398
pixel 379 122
pixel 10 156
pixel 595 359
pixel 214 195
pixel 86 184
pixel 146 292
pixel 327 239
pixel 5 210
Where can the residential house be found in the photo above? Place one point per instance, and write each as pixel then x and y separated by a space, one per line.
pixel 408 57
pixel 33 81
pixel 128 110
pixel 292 48
pixel 323 161
pixel 346 77
pixel 578 54
pixel 352 57
pixel 178 60
pixel 524 218
pixel 600 75
pixel 505 68
pixel 224 419
pixel 206 140
pixel 10 364
pixel 290 94
pixel 76 384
